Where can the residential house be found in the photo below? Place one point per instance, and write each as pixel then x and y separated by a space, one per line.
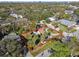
pixel 12 36
pixel 67 22
pixel 4 23
pixel 76 27
pixel 13 14
pixel 74 7
pixel 51 18
pixel 53 27
pixel 69 11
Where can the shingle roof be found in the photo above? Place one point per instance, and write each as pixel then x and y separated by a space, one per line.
pixel 66 22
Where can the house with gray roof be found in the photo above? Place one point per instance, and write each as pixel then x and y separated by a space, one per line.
pixel 67 22
pixel 69 11
pixel 12 36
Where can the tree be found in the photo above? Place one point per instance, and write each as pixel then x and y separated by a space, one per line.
pixel 75 49
pixel 77 12
pixel 37 41
pixel 61 50
pixel 10 47
pixel 66 16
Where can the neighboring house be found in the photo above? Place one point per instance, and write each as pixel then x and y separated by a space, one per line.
pixel 74 17
pixel 53 27
pixel 67 22
pixel 77 27
pixel 65 34
pixel 12 36
pixel 74 7
pixel 51 18
pixel 20 16
pixel 4 23
pixel 69 11
pixel 50 26
pixel 16 15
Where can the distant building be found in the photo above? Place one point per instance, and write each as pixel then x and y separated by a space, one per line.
pixel 20 16
pixel 12 36
pixel 51 18
pixel 50 26
pixel 53 27
pixel 74 7
pixel 67 22
pixel 69 11
pixel 4 23
pixel 77 27
pixel 13 14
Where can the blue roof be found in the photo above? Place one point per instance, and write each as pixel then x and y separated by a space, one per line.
pixel 66 22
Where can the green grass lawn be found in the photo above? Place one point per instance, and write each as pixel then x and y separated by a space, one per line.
pixel 61 50
pixel 63 27
pixel 72 30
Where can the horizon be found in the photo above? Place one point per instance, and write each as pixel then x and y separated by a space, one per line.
pixel 39 0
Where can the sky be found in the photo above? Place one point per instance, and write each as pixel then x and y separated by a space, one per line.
pixel 37 0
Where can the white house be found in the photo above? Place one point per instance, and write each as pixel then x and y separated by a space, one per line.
pixel 20 16
pixel 53 27
pixel 77 27
pixel 50 26
pixel 69 11
pixel 74 7
pixel 52 18
pixel 15 15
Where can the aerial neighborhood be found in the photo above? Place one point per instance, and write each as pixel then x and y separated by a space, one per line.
pixel 39 29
